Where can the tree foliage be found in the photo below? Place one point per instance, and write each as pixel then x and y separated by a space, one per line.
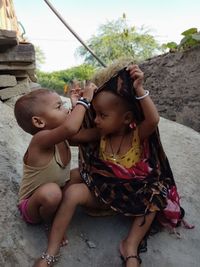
pixel 116 39
pixel 191 38
pixel 58 79
pixel 40 57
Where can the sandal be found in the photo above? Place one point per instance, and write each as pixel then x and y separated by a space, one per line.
pixel 142 246
pixel 50 259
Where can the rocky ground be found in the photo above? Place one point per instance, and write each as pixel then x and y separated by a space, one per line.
pixel 94 242
pixel 173 80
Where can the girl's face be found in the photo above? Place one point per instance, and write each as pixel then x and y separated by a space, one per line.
pixel 110 113
pixel 53 111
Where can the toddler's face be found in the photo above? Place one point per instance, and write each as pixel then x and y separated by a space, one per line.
pixel 109 113
pixel 54 111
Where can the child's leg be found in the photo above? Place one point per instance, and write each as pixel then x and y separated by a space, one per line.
pixel 129 246
pixel 76 194
pixel 44 202
pixel 75 178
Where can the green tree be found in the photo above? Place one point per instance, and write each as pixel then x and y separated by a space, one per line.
pixel 40 57
pixel 191 38
pixel 116 39
pixel 58 79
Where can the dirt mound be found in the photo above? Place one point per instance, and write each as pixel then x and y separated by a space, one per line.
pixel 173 80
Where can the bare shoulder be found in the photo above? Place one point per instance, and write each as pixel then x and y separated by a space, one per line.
pixel 37 154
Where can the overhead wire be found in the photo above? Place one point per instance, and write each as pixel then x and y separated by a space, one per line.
pixel 74 33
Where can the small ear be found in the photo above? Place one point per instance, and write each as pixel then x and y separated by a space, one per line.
pixel 128 117
pixel 38 122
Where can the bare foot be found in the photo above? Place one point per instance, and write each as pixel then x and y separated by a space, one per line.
pixel 130 257
pixel 40 263
pixel 64 241
pixel 46 260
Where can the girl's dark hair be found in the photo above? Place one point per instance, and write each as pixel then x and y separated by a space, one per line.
pixel 121 84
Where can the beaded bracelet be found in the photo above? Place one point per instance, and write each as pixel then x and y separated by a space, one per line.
pixel 83 101
pixel 143 96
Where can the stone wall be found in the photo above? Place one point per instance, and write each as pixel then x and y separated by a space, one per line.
pixel 17 65
pixel 173 80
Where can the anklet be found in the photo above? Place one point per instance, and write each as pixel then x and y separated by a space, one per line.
pixel 49 258
pixel 143 96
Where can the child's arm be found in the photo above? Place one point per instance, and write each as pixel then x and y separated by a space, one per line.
pixel 85 136
pixel 71 126
pixel 151 116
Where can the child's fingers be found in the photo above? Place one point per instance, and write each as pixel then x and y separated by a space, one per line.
pixel 131 67
pixel 75 91
pixel 91 86
pixel 136 73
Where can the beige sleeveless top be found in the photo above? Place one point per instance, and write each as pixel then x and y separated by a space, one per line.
pixel 34 177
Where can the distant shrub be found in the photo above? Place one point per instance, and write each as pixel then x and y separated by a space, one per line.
pixel 191 38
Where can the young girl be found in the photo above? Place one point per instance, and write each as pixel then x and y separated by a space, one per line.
pixel 122 170
pixel 46 163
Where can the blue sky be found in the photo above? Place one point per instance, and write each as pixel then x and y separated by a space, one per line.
pixel 166 20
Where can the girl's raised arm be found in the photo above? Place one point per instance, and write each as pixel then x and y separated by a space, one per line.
pixel 151 116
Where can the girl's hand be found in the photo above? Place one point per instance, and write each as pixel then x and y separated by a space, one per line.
pixel 137 75
pixel 89 90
